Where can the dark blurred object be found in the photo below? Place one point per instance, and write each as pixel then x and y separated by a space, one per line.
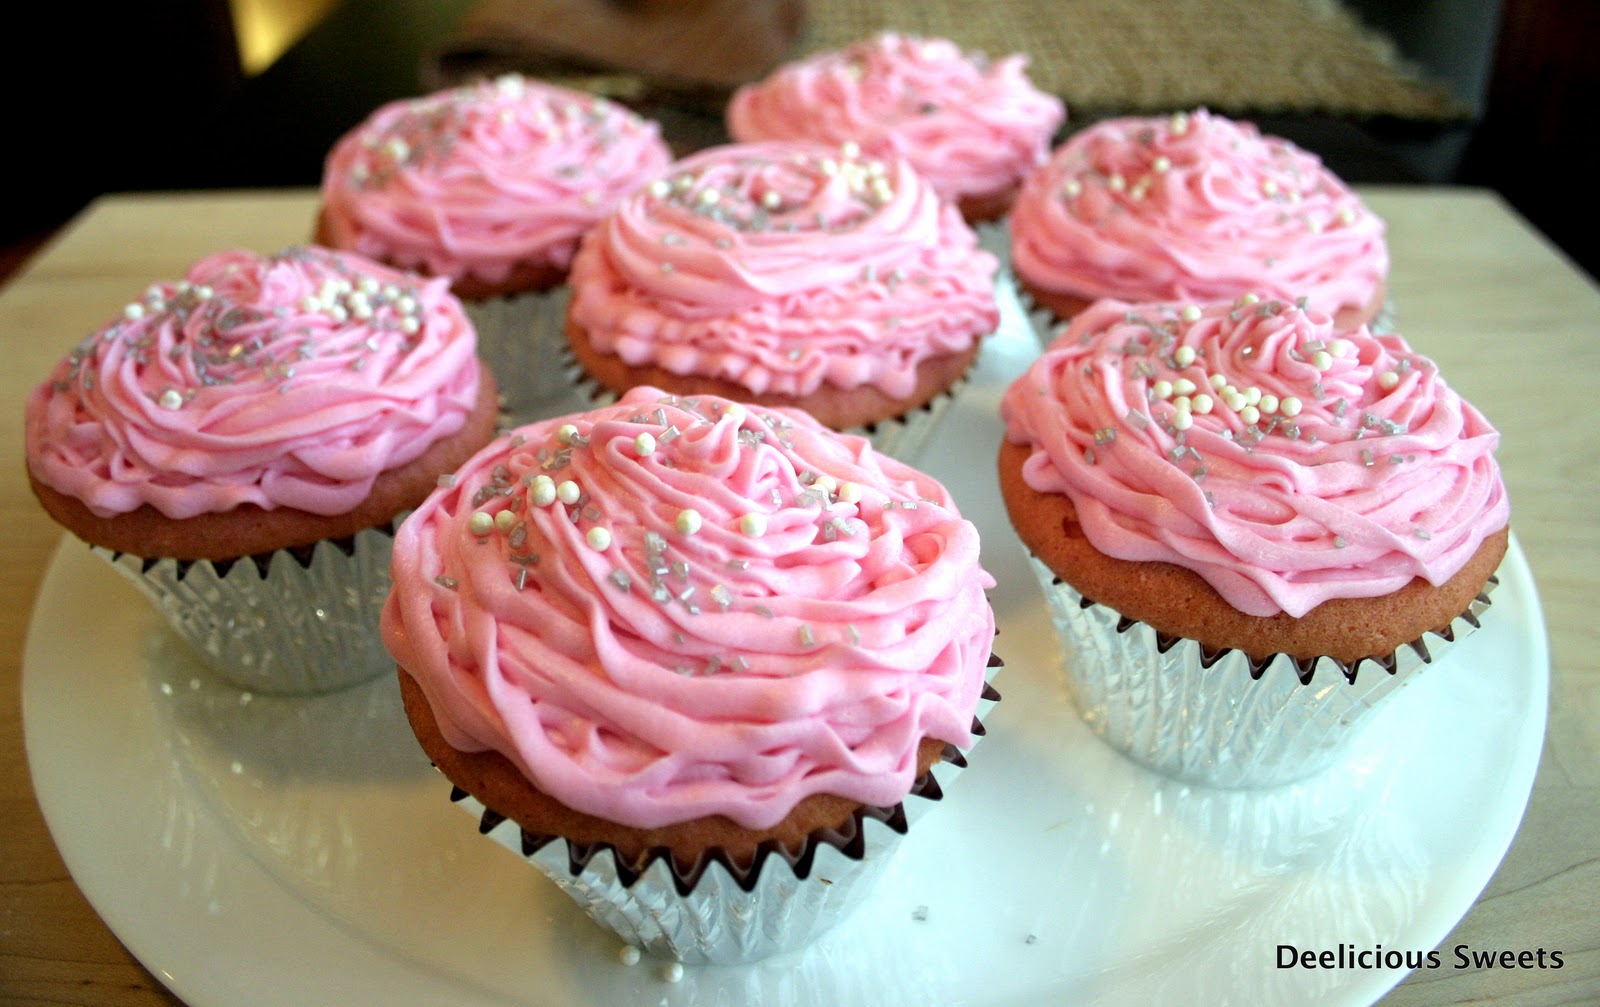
pixel 1536 144
pixel 107 97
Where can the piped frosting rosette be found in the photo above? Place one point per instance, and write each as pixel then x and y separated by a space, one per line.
pixel 672 608
pixel 1289 467
pixel 1196 207
pixel 969 125
pixel 285 383
pixel 290 380
pixel 479 180
pixel 786 270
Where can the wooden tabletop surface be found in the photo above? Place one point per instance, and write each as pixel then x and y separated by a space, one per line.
pixel 1513 326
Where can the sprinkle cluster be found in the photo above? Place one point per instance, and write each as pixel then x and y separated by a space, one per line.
pixel 209 338
pixel 654 555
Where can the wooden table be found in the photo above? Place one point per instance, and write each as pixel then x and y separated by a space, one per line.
pixel 1513 326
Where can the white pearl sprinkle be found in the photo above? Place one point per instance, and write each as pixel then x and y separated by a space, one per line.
pixel 1268 404
pixel 480 523
pixel 628 955
pixel 567 492
pixel 1269 187
pixel 1179 124
pixel 849 493
pixel 1115 182
pixel 1201 404
pixel 660 188
pixel 645 444
pixel 1250 414
pixel 1289 407
pixel 171 399
pixel 544 491
pixel 709 197
pixel 504 521
pixel 1072 189
pixel 1191 313
pixel 1343 347
pixel 598 538
pixel 753 525
pixel 770 199
pixel 734 414
pixel 1252 395
pixel 672 972
pixel 1347 216
pixel 1183 356
pixel 133 312
pixel 826 484
pixel 1388 379
pixel 1183 386
pixel 1161 165
pixel 1218 381
pixel 1162 388
pixel 1181 402
pixel 1182 420
pixel 1322 360
pixel 566 433
pixel 689 521
pixel 1251 298
pixel 850 149
pixel 1234 402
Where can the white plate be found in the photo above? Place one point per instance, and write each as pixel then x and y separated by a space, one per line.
pixel 277 851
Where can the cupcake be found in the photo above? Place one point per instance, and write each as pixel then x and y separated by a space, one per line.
pixel 1246 526
pixel 972 127
pixel 490 185
pixel 790 275
pixel 239 444
pixel 1194 207
pixel 662 641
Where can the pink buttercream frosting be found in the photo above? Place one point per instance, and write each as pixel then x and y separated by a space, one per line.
pixel 284 381
pixel 1195 207
pixel 1314 467
pixel 701 609
pixel 478 180
pixel 969 125
pixel 784 267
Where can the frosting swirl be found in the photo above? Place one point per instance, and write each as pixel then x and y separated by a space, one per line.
pixel 671 608
pixel 284 381
pixel 478 180
pixel 1243 441
pixel 1195 207
pixel 784 267
pixel 968 125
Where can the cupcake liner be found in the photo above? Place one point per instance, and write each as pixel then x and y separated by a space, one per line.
pixel 522 340
pixel 994 237
pixel 292 622
pixel 715 911
pixel 902 437
pixel 1223 719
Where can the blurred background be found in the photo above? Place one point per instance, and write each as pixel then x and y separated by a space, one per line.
pixel 190 94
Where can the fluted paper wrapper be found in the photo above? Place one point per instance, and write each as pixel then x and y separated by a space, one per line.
pixel 522 339
pixel 295 629
pixel 1215 720
pixel 717 922
pixel 710 918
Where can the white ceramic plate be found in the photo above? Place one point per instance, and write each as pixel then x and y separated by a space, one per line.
pixel 294 851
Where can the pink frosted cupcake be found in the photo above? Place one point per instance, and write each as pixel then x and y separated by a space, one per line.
pixel 973 128
pixel 1246 525
pixel 670 642
pixel 240 442
pixel 1194 207
pixel 490 185
pixel 790 275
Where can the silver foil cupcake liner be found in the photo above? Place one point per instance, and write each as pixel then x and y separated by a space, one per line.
pixel 289 622
pixel 522 340
pixel 1222 719
pixel 717 912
